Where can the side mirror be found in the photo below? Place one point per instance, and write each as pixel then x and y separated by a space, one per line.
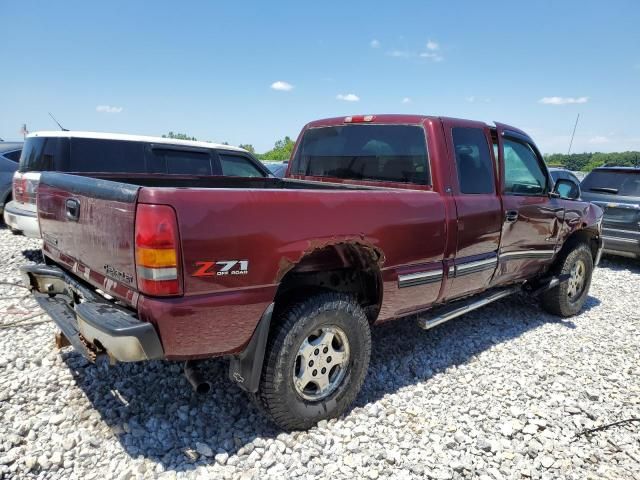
pixel 565 188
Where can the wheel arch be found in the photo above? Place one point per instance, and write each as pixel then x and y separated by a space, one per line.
pixel 346 266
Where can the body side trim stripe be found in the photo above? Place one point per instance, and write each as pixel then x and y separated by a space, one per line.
pixel 419 278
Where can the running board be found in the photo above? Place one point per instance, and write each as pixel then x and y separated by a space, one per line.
pixel 464 306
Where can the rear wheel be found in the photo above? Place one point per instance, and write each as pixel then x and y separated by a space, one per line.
pixel 568 298
pixel 316 360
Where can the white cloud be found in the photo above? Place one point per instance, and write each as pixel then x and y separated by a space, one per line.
pixel 432 52
pixel 108 109
pixel 375 43
pixel 470 99
pixel 400 54
pixel 433 46
pixel 281 86
pixel 436 57
pixel 349 97
pixel 563 100
pixel 406 100
pixel 599 139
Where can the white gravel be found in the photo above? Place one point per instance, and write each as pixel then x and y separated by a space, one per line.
pixel 500 393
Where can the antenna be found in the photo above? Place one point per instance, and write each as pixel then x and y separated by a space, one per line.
pixel 61 127
pixel 573 134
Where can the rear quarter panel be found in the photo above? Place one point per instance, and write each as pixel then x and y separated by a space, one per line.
pixel 272 231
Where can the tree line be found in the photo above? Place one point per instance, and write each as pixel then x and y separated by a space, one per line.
pixel 586 162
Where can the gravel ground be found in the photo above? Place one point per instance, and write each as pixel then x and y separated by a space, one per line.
pixel 500 393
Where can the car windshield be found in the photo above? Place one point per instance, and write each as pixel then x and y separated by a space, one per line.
pixel 393 153
pixel 625 183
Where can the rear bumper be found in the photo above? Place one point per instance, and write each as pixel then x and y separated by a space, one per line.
pixel 625 243
pixel 25 221
pixel 92 324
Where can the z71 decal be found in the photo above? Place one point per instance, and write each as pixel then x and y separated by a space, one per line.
pixel 221 268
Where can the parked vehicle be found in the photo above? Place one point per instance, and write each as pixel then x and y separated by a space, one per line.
pixel 9 156
pixel 277 169
pixel 380 217
pixel 89 153
pixel 617 191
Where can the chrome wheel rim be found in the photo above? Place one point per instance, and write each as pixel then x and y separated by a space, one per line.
pixel 321 363
pixel 576 282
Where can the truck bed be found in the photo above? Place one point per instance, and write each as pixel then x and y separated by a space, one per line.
pixel 269 225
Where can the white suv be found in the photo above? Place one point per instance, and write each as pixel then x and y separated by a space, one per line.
pixel 91 153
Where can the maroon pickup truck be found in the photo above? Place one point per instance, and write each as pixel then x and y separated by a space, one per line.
pixel 378 218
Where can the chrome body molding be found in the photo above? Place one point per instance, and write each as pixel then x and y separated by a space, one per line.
pixel 419 278
pixel 521 254
pixel 476 266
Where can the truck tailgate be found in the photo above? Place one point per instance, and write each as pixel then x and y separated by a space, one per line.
pixel 87 226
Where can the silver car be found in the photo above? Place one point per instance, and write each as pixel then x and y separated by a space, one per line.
pixel 9 157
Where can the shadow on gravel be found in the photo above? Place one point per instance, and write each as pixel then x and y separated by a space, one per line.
pixel 620 264
pixel 33 255
pixel 153 412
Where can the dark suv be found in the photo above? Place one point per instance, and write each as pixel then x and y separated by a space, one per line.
pixel 617 191
pixel 87 153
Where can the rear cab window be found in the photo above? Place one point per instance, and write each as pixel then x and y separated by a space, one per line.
pixel 384 153
pixel 41 154
pixel 616 182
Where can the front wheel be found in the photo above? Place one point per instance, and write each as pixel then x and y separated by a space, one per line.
pixel 316 360
pixel 568 298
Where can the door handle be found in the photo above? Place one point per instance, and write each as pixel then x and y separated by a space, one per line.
pixel 72 207
pixel 511 216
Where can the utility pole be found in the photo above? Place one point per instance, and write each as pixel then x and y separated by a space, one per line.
pixel 573 134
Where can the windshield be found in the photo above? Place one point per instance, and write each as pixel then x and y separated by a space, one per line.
pixel 393 153
pixel 626 183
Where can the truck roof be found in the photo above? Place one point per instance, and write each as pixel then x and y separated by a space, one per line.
pixel 399 119
pixel 132 138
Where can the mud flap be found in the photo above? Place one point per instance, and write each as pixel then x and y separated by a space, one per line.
pixel 246 367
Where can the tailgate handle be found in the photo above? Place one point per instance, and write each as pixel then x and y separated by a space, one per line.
pixel 73 209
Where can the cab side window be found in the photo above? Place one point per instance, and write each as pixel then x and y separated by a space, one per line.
pixel 522 172
pixel 473 161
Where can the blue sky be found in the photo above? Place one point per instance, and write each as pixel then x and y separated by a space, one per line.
pixel 210 69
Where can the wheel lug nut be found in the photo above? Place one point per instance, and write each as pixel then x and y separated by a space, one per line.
pixel 311 363
pixel 329 359
pixel 315 372
pixel 316 352
pixel 323 371
pixel 325 350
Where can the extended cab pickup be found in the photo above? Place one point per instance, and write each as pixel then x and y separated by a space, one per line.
pixel 378 218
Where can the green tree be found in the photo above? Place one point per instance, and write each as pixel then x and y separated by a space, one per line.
pixel 588 161
pixel 281 150
pixel 179 136
pixel 248 147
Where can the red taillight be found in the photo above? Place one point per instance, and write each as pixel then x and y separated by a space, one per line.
pixel 157 250
pixel 24 189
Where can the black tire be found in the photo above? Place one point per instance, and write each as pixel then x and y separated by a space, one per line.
pixel 278 395
pixel 557 300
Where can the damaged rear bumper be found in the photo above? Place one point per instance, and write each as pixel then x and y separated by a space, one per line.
pixel 92 324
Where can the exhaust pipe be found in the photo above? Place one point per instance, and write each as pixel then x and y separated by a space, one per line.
pixel 199 384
